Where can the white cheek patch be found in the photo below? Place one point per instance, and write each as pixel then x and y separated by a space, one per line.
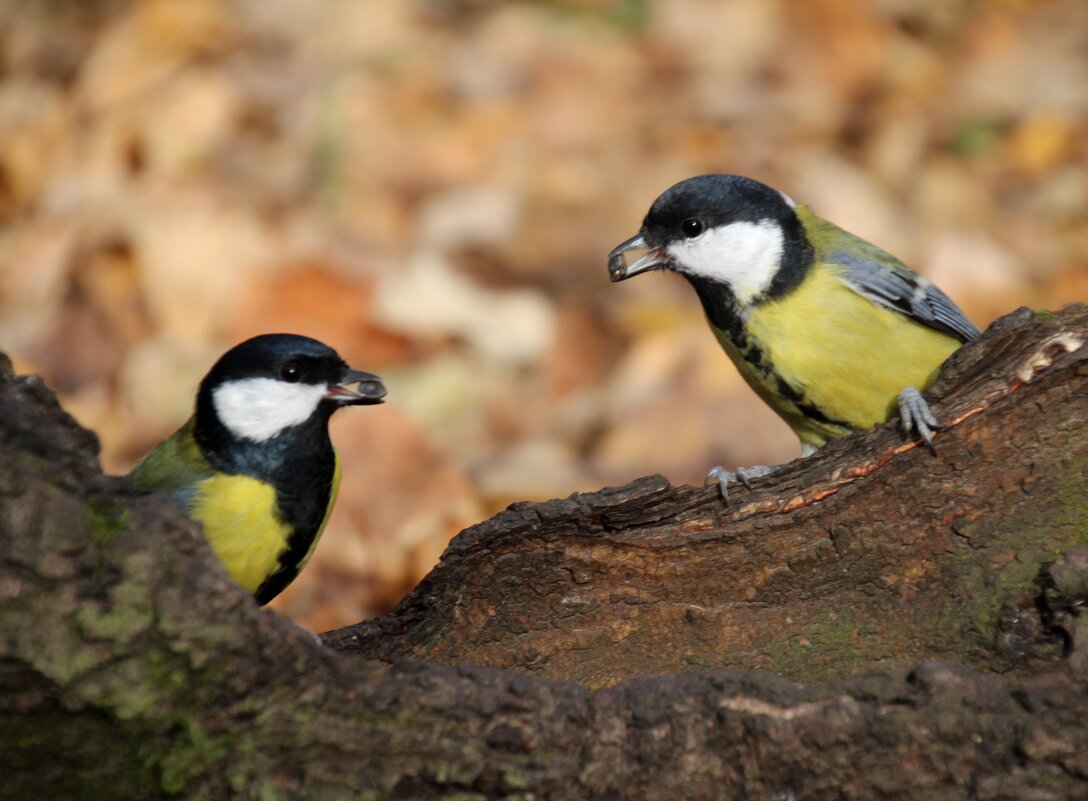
pixel 743 255
pixel 260 408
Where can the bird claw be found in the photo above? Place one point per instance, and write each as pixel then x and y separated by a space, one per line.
pixel 744 475
pixel 916 416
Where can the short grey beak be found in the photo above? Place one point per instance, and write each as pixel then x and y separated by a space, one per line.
pixel 619 269
pixel 356 388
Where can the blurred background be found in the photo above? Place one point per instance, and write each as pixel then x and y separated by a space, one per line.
pixel 432 187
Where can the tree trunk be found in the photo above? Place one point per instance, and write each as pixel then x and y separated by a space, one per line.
pixel 132 667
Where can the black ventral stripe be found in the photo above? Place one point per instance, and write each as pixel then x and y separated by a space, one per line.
pixel 723 313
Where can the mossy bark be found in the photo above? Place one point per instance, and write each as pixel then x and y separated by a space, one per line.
pixel 132 667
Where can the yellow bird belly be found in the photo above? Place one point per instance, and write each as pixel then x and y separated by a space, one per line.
pixel 847 357
pixel 241 522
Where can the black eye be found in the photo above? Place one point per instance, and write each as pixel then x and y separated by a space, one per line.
pixel 692 227
pixel 291 373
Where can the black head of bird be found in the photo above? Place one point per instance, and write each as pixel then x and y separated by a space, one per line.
pixel 273 383
pixel 725 229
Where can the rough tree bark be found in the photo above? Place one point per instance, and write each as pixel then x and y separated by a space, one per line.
pixel 131 667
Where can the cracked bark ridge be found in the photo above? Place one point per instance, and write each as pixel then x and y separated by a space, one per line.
pixel 870 555
pixel 132 667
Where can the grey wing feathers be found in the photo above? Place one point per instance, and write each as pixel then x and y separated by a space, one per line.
pixel 885 280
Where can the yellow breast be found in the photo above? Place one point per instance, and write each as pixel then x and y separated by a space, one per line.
pixel 242 525
pixel 848 357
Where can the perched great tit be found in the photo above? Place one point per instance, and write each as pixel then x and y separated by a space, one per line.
pixel 833 333
pixel 254 464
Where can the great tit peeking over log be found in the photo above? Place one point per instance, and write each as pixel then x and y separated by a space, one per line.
pixel 254 464
pixel 832 332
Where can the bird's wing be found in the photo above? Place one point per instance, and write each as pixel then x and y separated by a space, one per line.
pixel 175 466
pixel 883 279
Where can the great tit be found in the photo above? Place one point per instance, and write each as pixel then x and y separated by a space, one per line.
pixel 254 464
pixel 832 332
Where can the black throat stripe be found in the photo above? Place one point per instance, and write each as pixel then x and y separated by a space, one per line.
pixel 724 313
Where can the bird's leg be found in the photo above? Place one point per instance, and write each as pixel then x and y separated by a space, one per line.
pixel 915 415
pixel 725 477
pixel 312 636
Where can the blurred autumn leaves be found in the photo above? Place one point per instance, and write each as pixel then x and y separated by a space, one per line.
pixel 431 187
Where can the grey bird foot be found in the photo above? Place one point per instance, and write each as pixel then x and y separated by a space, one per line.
pixel 725 477
pixel 312 636
pixel 915 415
